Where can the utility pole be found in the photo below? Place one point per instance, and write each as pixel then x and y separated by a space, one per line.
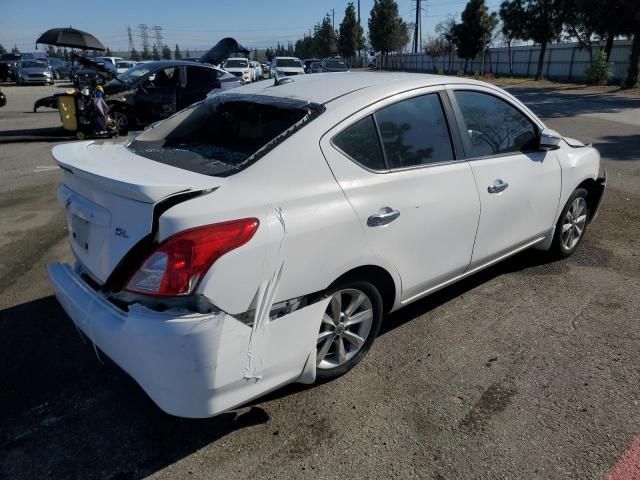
pixel 333 18
pixel 130 34
pixel 417 41
pixel 144 35
pixel 358 12
pixel 157 31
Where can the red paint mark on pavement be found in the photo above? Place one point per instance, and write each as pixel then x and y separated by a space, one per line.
pixel 628 466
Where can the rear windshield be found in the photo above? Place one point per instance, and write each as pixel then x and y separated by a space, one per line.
pixel 224 134
pixel 288 62
pixel 335 64
pixel 236 64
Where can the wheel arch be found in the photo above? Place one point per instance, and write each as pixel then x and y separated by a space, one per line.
pixel 379 277
pixel 593 197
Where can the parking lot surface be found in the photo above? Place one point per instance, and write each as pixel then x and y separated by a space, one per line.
pixel 530 369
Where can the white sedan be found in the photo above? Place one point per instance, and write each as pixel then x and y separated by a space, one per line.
pixel 257 238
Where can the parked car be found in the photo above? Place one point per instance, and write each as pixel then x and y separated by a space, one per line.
pixel 60 68
pixel 334 64
pixel 8 66
pixel 307 62
pixel 34 71
pixel 3 99
pixel 286 66
pixel 152 91
pixel 219 257
pixel 124 65
pixel 315 67
pixel 266 70
pixel 257 71
pixel 109 62
pixel 239 67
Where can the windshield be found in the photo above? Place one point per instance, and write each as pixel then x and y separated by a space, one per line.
pixel 335 64
pixel 288 62
pixel 224 134
pixel 33 63
pixel 236 64
pixel 132 75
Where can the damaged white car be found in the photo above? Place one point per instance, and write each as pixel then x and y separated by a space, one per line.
pixel 257 238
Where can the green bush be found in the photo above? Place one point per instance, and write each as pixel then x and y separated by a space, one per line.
pixel 440 71
pixel 460 73
pixel 599 72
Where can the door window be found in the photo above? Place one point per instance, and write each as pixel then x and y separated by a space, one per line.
pixel 493 126
pixel 360 142
pixel 415 132
pixel 166 78
pixel 199 78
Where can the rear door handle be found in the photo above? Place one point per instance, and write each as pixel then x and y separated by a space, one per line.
pixel 384 216
pixel 498 186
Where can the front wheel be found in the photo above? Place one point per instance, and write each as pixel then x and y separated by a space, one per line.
pixel 121 118
pixel 571 225
pixel 348 329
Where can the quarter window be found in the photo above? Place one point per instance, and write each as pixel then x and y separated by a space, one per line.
pixel 360 142
pixel 415 132
pixel 493 126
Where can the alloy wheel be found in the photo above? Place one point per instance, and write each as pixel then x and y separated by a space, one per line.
pixel 345 326
pixel 574 223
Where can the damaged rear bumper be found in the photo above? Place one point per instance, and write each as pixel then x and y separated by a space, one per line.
pixel 192 365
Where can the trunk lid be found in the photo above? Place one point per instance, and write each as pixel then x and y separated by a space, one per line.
pixel 110 195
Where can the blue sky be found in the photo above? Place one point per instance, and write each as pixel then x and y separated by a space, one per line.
pixel 194 24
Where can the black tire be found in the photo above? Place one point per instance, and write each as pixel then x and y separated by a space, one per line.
pixel 122 117
pixel 374 298
pixel 559 246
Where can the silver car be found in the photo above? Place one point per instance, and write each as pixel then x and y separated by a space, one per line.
pixel 34 71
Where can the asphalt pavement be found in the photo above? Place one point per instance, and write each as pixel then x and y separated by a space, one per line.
pixel 530 369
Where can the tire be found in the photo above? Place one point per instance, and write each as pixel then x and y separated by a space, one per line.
pixel 341 345
pixel 122 118
pixel 570 230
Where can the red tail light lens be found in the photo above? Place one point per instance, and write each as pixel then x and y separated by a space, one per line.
pixel 180 262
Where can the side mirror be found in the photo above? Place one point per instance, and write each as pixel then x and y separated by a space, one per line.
pixel 549 139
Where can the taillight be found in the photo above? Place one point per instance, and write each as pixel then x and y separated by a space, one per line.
pixel 180 262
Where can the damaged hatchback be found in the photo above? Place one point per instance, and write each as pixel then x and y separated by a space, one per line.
pixel 258 237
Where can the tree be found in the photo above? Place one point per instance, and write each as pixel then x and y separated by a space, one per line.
pixel 324 38
pixel 544 25
pixel 177 54
pixel 434 47
pixel 146 54
pixel 155 53
pixel 2 50
pixel 513 16
pixel 187 53
pixel 134 55
pixel 15 50
pixel 166 52
pixel 108 52
pixel 387 31
pixel 632 26
pixel 446 30
pixel 303 48
pixel 351 35
pixel 269 54
pixel 474 31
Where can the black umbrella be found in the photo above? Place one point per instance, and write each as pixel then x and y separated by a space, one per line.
pixel 70 37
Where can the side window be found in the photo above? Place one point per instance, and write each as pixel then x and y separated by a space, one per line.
pixel 360 141
pixel 415 132
pixel 165 78
pixel 200 78
pixel 494 126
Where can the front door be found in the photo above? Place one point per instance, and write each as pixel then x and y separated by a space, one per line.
pixel 519 184
pixel 156 96
pixel 416 201
pixel 200 81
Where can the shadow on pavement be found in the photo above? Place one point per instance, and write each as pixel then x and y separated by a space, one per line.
pixel 66 414
pixel 619 147
pixel 46 134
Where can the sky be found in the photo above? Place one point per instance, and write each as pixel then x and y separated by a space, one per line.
pixel 195 24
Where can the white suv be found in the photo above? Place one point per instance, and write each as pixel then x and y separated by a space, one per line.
pixel 240 67
pixel 286 66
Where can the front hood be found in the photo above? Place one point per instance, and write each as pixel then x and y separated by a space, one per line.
pixel 31 71
pixel 238 70
pixel 112 166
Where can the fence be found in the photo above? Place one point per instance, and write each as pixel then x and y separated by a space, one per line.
pixel 563 61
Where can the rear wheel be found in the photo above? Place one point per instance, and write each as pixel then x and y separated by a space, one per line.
pixel 571 225
pixel 349 327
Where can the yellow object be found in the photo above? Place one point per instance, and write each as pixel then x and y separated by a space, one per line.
pixel 67 110
pixel 100 89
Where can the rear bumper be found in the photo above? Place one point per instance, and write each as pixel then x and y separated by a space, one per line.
pixel 191 365
pixel 598 195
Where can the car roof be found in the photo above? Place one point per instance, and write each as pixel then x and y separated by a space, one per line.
pixel 177 63
pixel 318 88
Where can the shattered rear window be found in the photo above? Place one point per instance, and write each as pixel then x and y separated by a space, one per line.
pixel 224 134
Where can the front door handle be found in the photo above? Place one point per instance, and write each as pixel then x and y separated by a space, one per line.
pixel 498 186
pixel 384 216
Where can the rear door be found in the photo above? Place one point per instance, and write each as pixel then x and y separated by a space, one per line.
pixel 519 184
pixel 415 198
pixel 199 82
